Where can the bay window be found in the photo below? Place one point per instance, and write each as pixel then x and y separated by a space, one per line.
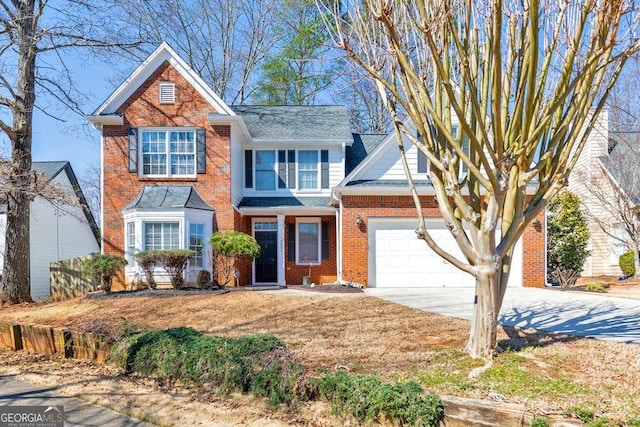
pixel 196 244
pixel 161 236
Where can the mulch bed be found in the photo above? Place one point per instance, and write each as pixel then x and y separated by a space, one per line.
pixel 154 293
pixel 336 289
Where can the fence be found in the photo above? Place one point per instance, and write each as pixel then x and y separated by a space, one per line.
pixel 67 280
pixel 50 341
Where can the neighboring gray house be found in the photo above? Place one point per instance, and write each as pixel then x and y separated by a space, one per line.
pixel 56 233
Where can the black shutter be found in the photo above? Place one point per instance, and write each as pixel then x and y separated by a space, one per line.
pixel 325 240
pixel 282 169
pixel 248 169
pixel 292 168
pixel 324 158
pixel 422 162
pixel 291 238
pixel 422 158
pixel 201 150
pixel 133 149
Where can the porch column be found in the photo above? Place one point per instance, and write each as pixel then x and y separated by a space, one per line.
pixel 280 255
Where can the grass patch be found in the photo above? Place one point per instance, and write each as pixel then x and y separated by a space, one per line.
pixel 594 287
pixel 511 376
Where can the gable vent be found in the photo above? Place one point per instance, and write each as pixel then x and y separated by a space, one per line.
pixel 167 93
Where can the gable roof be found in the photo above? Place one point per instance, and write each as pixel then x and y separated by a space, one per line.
pixel 106 112
pixel 624 148
pixel 299 123
pixel 51 170
pixel 363 145
pixel 168 197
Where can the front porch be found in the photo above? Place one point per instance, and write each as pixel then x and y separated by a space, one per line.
pixel 297 243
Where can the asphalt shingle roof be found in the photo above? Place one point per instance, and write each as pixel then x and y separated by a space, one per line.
pixel 168 197
pixel 296 123
pixel 363 145
pixel 269 202
pixel 399 183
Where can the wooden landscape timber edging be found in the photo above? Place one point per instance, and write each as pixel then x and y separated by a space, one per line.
pixel 54 341
pixel 459 412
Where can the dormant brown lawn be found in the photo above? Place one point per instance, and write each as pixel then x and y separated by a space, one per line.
pixel 549 373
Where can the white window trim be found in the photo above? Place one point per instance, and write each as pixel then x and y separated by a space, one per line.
pixel 617 229
pixel 163 85
pixel 318 173
pixel 309 220
pixel 276 163
pixel 255 169
pixel 130 256
pixel 167 153
pixel 144 232
pixel 204 244
pixel 183 216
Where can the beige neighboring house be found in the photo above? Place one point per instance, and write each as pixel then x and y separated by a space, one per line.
pixel 607 180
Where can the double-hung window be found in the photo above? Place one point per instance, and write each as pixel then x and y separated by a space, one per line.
pixel 270 170
pixel 308 241
pixel 307 170
pixel 131 243
pixel 265 170
pixel 619 239
pixel 161 235
pixel 168 152
pixel 196 244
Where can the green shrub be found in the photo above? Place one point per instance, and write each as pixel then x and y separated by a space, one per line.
pixel 204 279
pixel 594 287
pixel 175 262
pixel 102 269
pixel 227 248
pixel 259 364
pixel 634 421
pixel 627 264
pixel 366 398
pixel 147 260
pixel 539 422
pixel 567 239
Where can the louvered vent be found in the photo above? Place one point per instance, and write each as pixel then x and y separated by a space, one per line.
pixel 167 93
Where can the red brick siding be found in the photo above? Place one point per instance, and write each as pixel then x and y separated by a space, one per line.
pixel 355 239
pixel 143 109
pixel 326 272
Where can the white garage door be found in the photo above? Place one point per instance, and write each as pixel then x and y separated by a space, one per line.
pixel 398 259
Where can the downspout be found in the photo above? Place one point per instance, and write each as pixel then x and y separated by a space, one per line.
pixel 339 242
pixel 546 254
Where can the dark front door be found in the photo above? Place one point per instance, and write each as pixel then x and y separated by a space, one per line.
pixel 266 267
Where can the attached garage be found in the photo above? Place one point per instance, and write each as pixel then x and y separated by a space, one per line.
pixel 398 259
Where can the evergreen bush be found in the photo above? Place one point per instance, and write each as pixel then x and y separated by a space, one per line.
pixel 627 264
pixel 147 261
pixel 367 398
pixel 567 238
pixel 102 269
pixel 175 261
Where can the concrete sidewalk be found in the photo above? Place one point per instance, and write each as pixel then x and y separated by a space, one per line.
pixel 14 392
pixel 550 310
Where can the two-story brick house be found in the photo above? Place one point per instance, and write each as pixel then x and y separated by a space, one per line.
pixel 178 164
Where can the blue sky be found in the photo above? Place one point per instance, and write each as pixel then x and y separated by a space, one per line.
pixel 70 137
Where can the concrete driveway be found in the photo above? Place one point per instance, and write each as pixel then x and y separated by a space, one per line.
pixel 550 310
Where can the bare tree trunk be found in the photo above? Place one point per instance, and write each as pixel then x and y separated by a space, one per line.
pixel 15 279
pixel 486 307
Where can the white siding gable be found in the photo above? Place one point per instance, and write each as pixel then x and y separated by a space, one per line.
pixel 56 234
pixel 386 164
